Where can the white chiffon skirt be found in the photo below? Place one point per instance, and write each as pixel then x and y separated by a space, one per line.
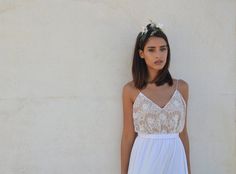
pixel 158 154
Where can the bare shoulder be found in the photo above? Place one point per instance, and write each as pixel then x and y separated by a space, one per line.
pixel 129 90
pixel 184 89
pixel 183 84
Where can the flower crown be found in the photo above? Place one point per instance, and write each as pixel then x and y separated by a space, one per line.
pixel 153 25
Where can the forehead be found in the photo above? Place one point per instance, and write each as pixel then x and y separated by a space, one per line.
pixel 156 41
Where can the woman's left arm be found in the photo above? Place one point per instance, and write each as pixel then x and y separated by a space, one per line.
pixel 184 133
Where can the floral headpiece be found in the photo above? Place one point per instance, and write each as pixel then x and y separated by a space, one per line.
pixel 159 25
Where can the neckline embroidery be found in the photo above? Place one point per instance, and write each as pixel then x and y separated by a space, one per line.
pixel 161 108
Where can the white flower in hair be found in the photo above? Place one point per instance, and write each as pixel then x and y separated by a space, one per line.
pixel 160 25
pixel 152 24
pixel 144 29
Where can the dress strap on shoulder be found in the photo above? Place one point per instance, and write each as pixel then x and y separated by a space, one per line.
pixel 139 91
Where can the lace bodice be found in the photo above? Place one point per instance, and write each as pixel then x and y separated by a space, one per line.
pixel 150 118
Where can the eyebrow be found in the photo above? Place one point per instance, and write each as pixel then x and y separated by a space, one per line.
pixel 155 47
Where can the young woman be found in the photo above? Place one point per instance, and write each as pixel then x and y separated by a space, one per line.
pixel 154 137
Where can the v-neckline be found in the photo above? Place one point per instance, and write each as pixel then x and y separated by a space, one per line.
pixel 162 108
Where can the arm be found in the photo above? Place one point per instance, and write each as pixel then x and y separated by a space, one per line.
pixel 128 134
pixel 184 133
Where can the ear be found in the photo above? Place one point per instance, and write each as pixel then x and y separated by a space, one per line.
pixel 141 53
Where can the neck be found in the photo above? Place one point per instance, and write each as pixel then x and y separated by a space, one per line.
pixel 152 74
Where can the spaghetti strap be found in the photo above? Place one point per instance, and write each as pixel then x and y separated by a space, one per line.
pixel 139 90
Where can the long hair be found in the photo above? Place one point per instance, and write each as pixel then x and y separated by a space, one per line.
pixel 139 67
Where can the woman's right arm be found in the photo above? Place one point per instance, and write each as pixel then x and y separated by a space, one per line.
pixel 128 133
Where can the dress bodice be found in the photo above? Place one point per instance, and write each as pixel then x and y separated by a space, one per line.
pixel 149 118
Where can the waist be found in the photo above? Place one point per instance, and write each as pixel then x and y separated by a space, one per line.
pixel 159 136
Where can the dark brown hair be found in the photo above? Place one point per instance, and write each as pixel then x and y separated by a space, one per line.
pixel 139 67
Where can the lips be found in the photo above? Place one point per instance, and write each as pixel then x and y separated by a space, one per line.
pixel 158 62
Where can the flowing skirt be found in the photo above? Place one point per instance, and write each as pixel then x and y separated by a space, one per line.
pixel 158 154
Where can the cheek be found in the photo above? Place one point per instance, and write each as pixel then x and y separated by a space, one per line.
pixel 165 58
pixel 165 55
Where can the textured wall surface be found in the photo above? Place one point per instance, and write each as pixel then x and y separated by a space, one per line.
pixel 63 65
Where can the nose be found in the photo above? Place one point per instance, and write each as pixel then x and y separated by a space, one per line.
pixel 158 54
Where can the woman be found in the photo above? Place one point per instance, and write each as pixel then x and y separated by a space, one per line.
pixel 154 137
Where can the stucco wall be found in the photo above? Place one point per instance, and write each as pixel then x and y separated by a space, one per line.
pixel 63 65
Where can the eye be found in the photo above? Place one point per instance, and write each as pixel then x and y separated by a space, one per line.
pixel 151 50
pixel 163 49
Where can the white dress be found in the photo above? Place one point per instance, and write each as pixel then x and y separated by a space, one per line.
pixel 158 148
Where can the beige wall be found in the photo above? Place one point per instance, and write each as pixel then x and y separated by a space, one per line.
pixel 63 65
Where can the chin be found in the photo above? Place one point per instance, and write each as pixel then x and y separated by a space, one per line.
pixel 157 69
